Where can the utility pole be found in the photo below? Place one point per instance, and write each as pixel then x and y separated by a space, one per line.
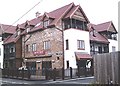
pixel 23 64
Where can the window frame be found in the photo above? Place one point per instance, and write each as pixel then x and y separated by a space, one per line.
pixel 45 23
pixel 67 44
pixel 80 44
pixel 46 45
pixel 34 47
pixel 28 49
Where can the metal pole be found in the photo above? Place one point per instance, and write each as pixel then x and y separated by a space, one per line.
pixel 63 48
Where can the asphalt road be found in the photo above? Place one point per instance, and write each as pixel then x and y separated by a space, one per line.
pixel 16 82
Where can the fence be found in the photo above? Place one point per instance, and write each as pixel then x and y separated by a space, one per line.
pixel 106 68
pixel 47 73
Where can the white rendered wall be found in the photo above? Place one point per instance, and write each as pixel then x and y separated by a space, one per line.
pixel 1 53
pixel 113 43
pixel 73 35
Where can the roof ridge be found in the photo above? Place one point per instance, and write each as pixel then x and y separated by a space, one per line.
pixel 104 23
pixel 60 7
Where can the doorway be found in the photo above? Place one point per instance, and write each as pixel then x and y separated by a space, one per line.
pixel 45 66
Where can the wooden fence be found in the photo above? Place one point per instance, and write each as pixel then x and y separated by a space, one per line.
pixel 107 68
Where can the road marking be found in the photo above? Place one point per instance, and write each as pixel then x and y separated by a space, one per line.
pixel 11 82
pixel 69 80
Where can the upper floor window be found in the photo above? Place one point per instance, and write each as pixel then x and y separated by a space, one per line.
pixel 75 23
pixel 34 47
pixel 46 45
pixel 18 32
pixel 12 49
pixel 28 48
pixel 28 29
pixel 80 44
pixel 67 44
pixel 114 36
pixel 46 23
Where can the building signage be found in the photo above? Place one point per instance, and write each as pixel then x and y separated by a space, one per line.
pixel 42 52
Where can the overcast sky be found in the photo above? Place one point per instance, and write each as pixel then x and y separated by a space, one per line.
pixel 97 11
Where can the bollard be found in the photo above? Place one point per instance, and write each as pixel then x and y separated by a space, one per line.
pixel 71 72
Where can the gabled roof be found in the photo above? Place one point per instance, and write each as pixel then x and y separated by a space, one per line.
pixel 35 20
pixel 8 29
pixel 11 39
pixel 59 13
pixel 56 15
pixel 73 10
pixel 96 36
pixel 106 27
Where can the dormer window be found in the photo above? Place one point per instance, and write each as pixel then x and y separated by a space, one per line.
pixel 18 32
pixel 28 29
pixel 46 23
pixel 93 33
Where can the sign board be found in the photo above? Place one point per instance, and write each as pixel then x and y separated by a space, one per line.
pixel 42 52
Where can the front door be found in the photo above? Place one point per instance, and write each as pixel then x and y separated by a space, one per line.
pixel 46 65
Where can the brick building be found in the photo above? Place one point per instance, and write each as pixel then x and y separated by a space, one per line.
pixel 13 45
pixel 46 45
pixel 60 38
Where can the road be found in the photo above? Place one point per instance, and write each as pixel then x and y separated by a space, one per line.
pixel 11 82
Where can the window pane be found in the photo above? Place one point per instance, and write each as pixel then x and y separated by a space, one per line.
pixel 67 44
pixel 34 47
pixel 46 45
pixel 80 44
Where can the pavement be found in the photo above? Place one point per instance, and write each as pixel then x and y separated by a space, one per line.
pixel 12 82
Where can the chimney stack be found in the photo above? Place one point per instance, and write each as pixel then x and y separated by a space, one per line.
pixel 37 14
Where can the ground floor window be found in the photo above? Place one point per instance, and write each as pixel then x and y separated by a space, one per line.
pixel 67 64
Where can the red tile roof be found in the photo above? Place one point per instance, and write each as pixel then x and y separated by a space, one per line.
pixel 80 55
pixel 8 28
pixel 98 38
pixel 73 10
pixel 59 13
pixel 11 39
pixel 105 27
pixel 35 21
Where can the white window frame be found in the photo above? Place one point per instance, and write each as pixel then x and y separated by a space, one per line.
pixel 47 45
pixel 80 44
pixel 34 47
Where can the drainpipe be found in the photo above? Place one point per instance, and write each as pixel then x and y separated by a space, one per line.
pixel 62 42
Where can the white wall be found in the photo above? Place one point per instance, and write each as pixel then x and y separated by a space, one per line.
pixel 1 53
pixel 113 43
pixel 73 35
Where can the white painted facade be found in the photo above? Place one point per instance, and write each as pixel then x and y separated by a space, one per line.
pixel 113 43
pixel 72 35
pixel 1 53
